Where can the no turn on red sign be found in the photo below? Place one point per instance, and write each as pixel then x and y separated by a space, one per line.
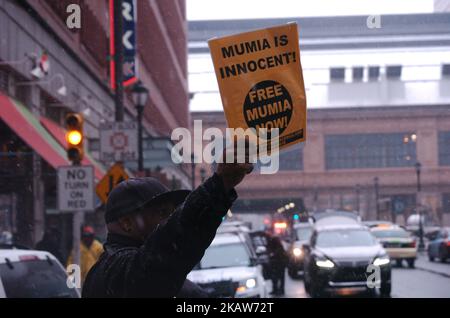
pixel 76 188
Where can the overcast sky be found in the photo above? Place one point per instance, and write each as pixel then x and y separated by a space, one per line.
pixel 254 9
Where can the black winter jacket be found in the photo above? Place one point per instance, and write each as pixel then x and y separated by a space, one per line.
pixel 159 266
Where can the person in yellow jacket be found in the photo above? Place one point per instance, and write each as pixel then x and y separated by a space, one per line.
pixel 90 251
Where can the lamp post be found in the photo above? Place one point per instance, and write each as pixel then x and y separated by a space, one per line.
pixel 140 97
pixel 418 166
pixel 377 204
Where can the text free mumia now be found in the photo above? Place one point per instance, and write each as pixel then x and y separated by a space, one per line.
pixel 261 82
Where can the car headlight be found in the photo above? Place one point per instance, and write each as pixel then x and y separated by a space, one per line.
pixel 381 260
pixel 246 284
pixel 297 251
pixel 250 283
pixel 325 263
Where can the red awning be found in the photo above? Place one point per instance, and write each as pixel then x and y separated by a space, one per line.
pixel 28 128
pixel 46 141
pixel 59 134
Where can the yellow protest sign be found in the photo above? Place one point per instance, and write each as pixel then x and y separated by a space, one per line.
pixel 116 174
pixel 261 82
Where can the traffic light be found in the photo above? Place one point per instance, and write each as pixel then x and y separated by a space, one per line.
pixel 74 137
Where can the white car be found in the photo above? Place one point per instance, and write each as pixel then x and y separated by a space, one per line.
pixel 33 274
pixel 230 258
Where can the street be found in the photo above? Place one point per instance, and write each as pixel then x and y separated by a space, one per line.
pixel 427 280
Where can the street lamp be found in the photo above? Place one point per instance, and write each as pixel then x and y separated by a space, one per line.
pixel 376 186
pixel 418 166
pixel 140 97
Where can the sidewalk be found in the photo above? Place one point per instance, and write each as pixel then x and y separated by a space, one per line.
pixel 435 267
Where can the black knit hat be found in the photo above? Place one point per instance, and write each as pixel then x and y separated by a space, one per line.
pixel 133 194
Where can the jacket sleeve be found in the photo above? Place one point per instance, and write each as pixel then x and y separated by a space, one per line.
pixel 160 266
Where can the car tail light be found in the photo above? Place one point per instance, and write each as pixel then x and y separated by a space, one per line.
pixel 27 258
pixel 448 243
pixel 413 244
pixel 280 225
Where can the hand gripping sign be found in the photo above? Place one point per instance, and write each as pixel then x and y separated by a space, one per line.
pixel 261 81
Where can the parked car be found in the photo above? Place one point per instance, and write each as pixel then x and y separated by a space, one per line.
pixel 301 235
pixel 439 245
pixel 229 259
pixel 337 260
pixel 33 274
pixel 399 244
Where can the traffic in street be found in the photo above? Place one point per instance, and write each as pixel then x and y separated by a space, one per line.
pixel 425 281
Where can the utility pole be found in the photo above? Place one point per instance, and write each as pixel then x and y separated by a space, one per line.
pixel 118 56
pixel 418 166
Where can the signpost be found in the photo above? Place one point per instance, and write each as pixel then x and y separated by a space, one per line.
pixel 118 142
pixel 114 176
pixel 76 195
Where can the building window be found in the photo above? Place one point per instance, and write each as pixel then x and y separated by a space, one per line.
pixel 289 160
pixel 444 148
pixel 446 202
pixel 292 159
pixel 370 151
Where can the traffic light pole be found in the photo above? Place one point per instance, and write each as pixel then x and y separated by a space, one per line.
pixel 77 220
pixel 118 65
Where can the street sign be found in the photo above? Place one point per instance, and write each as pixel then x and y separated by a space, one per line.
pixel 118 142
pixel 75 188
pixel 129 37
pixel 114 176
pixel 129 42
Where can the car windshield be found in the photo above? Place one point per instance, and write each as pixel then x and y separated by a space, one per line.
pixel 391 233
pixel 303 233
pixel 345 238
pixel 38 279
pixel 225 255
